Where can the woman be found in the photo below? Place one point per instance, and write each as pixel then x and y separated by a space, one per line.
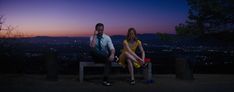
pixel 128 55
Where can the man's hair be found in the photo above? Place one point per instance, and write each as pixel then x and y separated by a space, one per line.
pixel 97 25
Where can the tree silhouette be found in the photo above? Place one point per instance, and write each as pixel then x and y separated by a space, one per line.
pixel 8 31
pixel 208 16
pixel 1 22
pixel 164 36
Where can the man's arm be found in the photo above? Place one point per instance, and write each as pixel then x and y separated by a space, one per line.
pixel 112 55
pixel 93 40
pixel 112 49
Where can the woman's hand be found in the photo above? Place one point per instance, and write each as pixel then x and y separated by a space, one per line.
pixel 141 60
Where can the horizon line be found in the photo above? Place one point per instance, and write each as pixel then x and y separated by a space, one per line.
pixel 80 35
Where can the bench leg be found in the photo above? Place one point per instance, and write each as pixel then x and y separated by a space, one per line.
pixel 148 72
pixel 81 73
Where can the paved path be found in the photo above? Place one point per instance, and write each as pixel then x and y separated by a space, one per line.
pixel 69 83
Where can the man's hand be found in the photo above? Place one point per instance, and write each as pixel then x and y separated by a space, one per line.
pixel 111 58
pixel 95 32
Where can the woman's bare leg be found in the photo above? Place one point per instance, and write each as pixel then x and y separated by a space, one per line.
pixel 130 68
pixel 132 58
pixel 129 56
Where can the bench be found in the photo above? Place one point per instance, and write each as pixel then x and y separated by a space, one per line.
pixel 146 71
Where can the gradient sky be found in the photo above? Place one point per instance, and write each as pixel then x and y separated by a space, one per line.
pixel 78 17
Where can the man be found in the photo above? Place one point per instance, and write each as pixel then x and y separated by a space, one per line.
pixel 102 50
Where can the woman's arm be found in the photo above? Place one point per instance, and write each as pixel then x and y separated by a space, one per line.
pixel 142 52
pixel 131 52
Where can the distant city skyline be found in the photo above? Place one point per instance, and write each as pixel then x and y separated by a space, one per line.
pixel 79 17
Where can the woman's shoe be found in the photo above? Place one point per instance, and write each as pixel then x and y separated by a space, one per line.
pixel 116 59
pixel 144 65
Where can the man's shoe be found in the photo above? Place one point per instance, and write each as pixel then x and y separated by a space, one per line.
pixel 132 82
pixel 106 83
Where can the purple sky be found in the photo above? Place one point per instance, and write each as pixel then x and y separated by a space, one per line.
pixel 78 17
